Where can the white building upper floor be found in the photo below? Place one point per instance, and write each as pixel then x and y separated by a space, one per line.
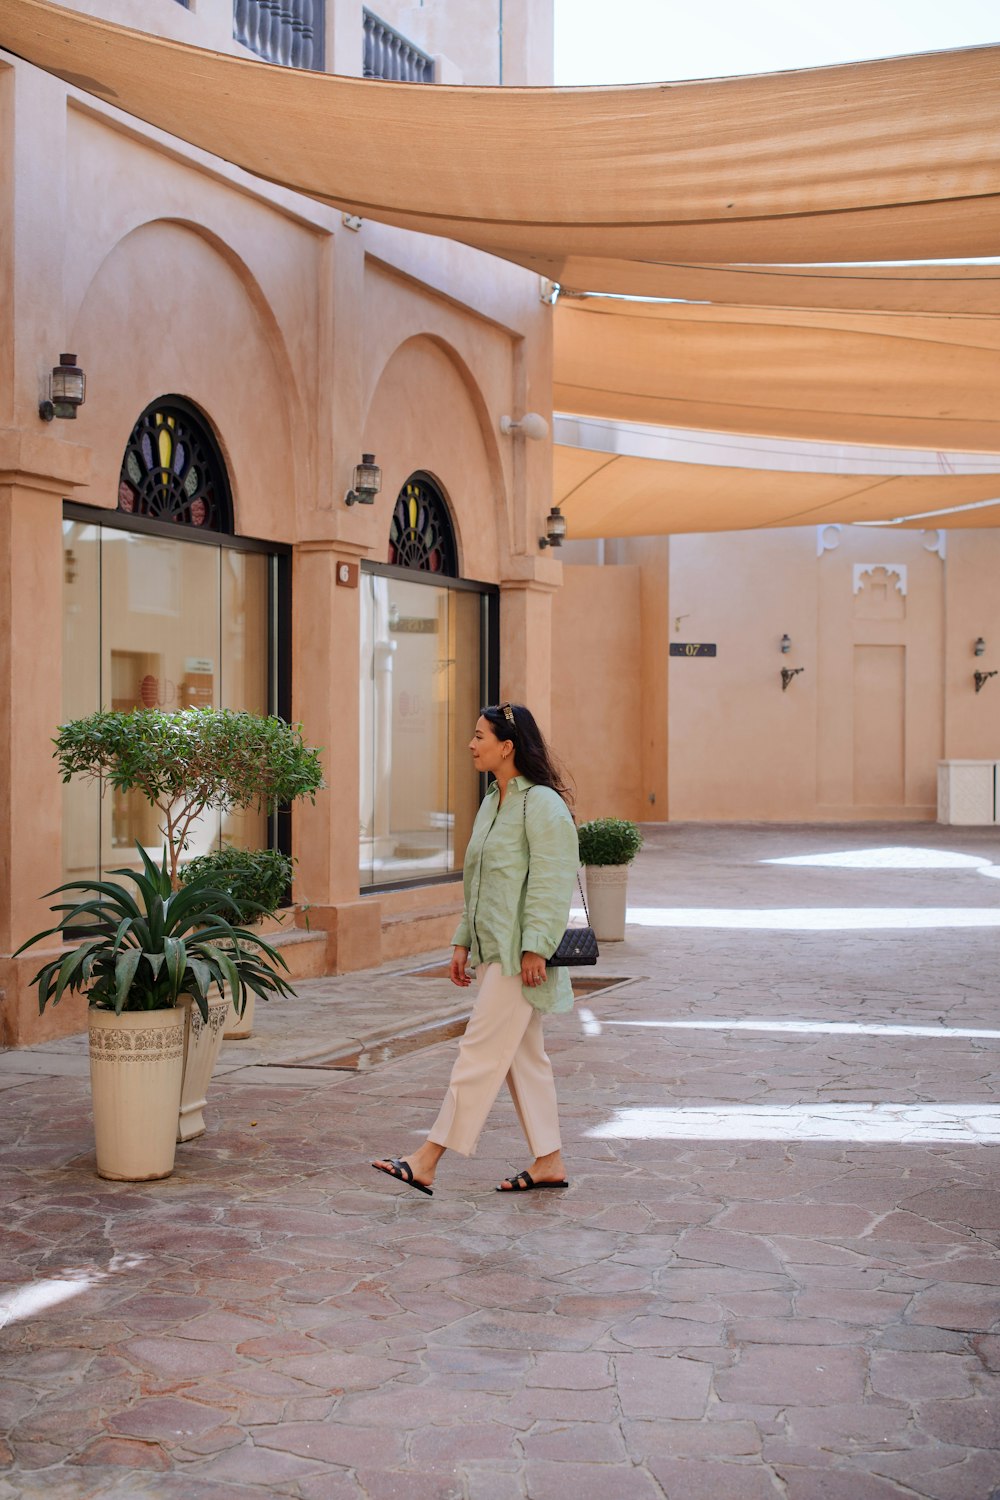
pixel 487 42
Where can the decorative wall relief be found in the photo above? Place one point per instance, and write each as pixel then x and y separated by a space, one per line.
pixel 879 591
pixel 827 539
pixel 936 541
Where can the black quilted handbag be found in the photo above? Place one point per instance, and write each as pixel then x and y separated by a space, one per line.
pixel 578 945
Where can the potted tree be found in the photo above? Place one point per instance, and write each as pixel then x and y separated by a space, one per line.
pixel 607 848
pixel 185 764
pixel 143 956
pixel 256 880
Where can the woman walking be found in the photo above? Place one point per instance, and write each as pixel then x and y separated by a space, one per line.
pixel 520 868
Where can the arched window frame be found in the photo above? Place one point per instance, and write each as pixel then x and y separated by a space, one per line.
pixel 173 471
pixel 421 532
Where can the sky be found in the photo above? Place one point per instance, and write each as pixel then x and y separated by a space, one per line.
pixel 650 41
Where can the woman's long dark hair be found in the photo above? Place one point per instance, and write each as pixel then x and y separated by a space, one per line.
pixel 534 759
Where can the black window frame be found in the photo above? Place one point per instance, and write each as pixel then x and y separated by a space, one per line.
pixel 489 675
pixel 279 611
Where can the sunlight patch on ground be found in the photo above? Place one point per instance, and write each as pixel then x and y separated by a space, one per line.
pixel 27 1301
pixel 886 859
pixel 814 918
pixel 825 1028
pixel 22 1302
pixel 874 1124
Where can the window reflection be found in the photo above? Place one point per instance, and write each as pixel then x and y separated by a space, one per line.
pixel 420 692
pixel 151 622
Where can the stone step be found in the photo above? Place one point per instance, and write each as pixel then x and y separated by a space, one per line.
pixel 303 951
pixel 419 931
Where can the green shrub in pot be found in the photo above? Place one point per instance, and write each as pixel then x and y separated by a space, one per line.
pixel 255 879
pixel 609 841
pixel 607 848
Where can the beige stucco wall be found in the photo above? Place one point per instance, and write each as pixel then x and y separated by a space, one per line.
pixel 882 623
pixel 972 721
pixel 597 689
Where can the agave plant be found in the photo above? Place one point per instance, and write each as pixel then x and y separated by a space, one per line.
pixel 142 950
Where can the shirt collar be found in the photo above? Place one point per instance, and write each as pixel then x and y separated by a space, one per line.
pixel 519 783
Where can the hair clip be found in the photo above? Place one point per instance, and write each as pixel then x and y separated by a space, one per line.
pixel 507 711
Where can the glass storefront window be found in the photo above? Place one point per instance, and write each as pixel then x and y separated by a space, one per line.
pixel 422 655
pixel 154 622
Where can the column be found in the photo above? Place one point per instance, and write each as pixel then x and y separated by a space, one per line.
pixel 326 650
pixel 35 474
pixel 526 645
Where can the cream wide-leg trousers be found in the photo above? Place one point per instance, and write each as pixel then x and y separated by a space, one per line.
pixel 503 1039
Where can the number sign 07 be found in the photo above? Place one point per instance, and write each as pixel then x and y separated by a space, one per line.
pixel 692 648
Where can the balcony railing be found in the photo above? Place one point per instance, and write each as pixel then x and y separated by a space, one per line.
pixel 389 56
pixel 289 32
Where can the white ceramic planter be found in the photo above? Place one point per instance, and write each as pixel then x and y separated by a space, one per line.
pixel 136 1060
pixel 606 892
pixel 238 1027
pixel 201 1050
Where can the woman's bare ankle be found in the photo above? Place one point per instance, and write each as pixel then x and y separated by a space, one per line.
pixel 548 1168
pixel 425 1159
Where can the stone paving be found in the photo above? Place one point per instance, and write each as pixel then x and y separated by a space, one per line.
pixel 774 1273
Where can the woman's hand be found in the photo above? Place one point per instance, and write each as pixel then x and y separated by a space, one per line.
pixel 458 974
pixel 532 969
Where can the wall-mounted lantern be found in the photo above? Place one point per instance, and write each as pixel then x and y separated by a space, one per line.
pixel 67 390
pixel 555 529
pixel 367 482
pixel 979 649
pixel 786 644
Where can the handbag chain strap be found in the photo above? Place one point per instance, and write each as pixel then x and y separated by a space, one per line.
pixel 524 804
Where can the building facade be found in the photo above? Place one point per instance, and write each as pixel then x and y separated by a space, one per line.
pixel 186 539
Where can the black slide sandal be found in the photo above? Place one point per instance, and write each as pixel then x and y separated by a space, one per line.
pixel 403 1173
pixel 524 1183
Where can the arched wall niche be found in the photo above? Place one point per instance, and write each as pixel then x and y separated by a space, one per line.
pixel 427 415
pixel 170 309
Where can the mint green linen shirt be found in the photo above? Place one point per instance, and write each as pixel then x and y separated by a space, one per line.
pixel 520 870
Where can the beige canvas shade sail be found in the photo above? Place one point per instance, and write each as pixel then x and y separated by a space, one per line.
pixel 971 289
pixel 603 495
pixel 888 160
pixel 898 380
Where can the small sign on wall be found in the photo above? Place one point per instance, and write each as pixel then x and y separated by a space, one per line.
pixel 692 648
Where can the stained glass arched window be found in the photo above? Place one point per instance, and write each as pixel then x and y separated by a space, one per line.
pixel 420 534
pixel 173 470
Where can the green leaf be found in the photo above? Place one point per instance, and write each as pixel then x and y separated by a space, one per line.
pixel 155 961
pixel 200 973
pixel 125 967
pixel 175 956
pixel 68 969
